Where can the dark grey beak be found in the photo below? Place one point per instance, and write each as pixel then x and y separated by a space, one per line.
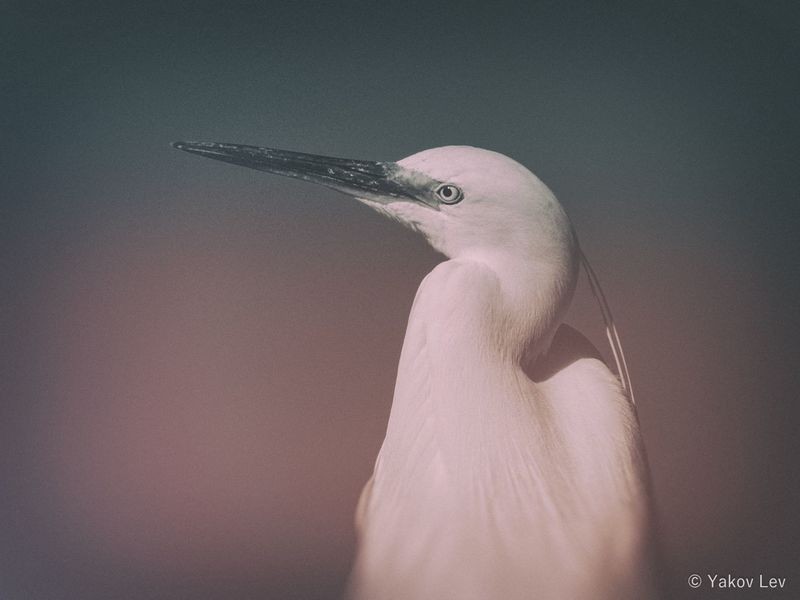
pixel 378 181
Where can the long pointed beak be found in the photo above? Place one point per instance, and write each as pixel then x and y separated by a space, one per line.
pixel 378 181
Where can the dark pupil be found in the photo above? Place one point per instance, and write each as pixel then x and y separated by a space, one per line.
pixel 447 191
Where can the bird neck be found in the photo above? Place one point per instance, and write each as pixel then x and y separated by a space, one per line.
pixel 537 288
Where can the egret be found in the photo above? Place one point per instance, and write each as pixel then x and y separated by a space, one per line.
pixel 513 466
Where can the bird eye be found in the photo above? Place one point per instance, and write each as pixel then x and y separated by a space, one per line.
pixel 449 194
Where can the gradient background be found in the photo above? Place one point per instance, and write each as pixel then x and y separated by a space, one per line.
pixel 198 360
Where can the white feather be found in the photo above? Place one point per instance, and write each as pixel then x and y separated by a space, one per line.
pixel 512 466
pixel 492 485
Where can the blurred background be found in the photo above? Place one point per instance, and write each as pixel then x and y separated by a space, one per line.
pixel 198 359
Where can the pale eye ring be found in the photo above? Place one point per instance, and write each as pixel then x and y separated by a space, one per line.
pixel 449 194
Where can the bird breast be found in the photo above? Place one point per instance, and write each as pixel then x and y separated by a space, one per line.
pixel 488 478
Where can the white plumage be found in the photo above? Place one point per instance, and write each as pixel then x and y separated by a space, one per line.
pixel 512 466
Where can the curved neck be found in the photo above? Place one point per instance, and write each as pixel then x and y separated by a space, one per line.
pixel 537 290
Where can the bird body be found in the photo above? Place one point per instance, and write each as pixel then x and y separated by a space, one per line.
pixel 512 466
pixel 490 483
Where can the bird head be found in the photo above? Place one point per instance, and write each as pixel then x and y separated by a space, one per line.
pixel 465 201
